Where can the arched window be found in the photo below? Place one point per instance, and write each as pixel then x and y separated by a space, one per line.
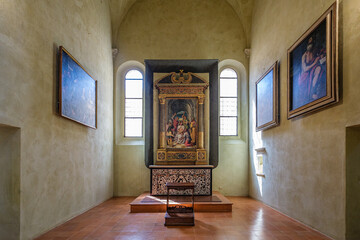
pixel 228 102
pixel 133 122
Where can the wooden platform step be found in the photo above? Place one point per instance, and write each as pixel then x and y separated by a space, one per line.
pixel 179 219
pixel 147 203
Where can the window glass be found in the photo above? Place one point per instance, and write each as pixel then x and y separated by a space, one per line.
pixel 133 127
pixel 228 72
pixel 134 74
pixel 228 107
pixel 133 88
pixel 228 102
pixel 133 104
pixel 228 126
pixel 133 107
pixel 228 87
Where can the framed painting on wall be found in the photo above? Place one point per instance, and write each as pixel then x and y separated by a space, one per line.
pixel 267 99
pixel 77 91
pixel 312 67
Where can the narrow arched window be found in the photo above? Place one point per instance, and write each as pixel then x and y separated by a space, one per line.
pixel 133 104
pixel 228 102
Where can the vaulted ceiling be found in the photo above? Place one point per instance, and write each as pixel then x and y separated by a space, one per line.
pixel 243 9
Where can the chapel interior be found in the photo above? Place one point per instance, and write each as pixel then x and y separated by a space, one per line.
pixel 53 169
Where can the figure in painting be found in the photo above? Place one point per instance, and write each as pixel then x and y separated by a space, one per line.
pixel 175 121
pixel 185 121
pixel 180 132
pixel 312 79
pixel 169 132
pixel 318 81
pixel 193 131
pixel 182 136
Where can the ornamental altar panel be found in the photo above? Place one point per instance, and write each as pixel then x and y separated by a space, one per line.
pixel 201 176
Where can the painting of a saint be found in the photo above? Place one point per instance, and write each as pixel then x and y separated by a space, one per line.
pixel 308 61
pixel 180 132
pixel 312 67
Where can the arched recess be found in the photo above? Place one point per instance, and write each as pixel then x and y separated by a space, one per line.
pixel 243 105
pixel 189 65
pixel 234 150
pixel 119 103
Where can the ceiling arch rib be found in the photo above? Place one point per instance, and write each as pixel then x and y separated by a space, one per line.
pixel 118 10
pixel 243 9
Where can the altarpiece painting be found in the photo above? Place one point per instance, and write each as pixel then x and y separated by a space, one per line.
pixel 181 122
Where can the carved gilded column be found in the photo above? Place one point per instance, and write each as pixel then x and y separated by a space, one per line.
pixel 201 123
pixel 162 137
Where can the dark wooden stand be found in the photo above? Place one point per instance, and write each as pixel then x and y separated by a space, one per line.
pixel 179 215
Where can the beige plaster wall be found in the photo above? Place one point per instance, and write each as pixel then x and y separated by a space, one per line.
pixel 243 8
pixel 305 160
pixel 131 177
pixel 66 168
pixel 157 29
pixel 187 29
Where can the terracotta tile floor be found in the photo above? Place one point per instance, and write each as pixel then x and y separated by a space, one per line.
pixel 249 219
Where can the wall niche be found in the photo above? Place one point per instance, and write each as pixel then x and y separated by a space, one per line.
pixel 352 182
pixel 9 182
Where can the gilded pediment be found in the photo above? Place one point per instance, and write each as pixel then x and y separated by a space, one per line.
pixel 181 78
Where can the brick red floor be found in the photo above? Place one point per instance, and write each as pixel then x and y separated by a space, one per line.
pixel 250 220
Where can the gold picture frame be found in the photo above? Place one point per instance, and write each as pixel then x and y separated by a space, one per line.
pixel 267 99
pixel 312 81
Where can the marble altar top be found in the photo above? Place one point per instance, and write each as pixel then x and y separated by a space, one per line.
pixel 181 166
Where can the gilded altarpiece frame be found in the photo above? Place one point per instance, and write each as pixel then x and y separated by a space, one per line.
pixel 181 98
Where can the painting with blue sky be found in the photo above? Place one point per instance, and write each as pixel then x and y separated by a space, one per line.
pixel 78 91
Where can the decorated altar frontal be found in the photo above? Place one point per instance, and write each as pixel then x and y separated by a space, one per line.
pixel 200 175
